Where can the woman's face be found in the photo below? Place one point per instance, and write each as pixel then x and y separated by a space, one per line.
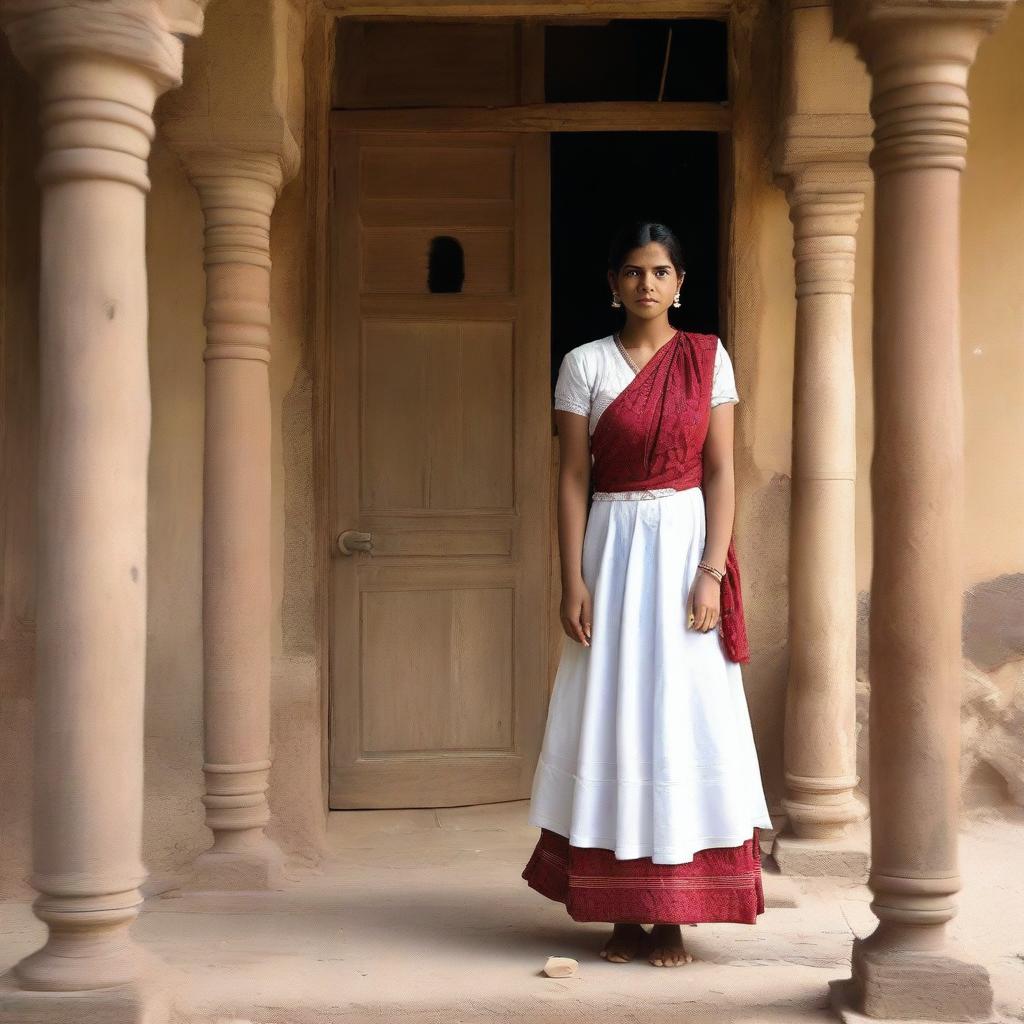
pixel 647 282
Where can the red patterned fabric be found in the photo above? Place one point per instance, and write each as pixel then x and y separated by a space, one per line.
pixel 652 435
pixel 718 885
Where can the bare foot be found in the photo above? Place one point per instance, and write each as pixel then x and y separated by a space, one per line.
pixel 625 942
pixel 667 947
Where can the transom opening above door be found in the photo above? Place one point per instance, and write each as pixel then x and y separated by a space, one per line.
pixel 406 63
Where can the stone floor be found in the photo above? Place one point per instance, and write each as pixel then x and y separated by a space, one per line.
pixel 422 916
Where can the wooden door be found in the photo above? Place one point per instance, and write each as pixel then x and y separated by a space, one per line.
pixel 442 433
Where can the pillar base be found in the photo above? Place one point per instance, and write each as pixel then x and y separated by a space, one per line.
pixel 848 857
pixel 912 986
pixel 148 1000
pixel 257 867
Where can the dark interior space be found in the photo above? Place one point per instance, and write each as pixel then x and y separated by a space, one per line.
pixel 624 60
pixel 601 179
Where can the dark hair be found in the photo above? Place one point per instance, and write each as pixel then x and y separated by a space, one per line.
pixel 639 233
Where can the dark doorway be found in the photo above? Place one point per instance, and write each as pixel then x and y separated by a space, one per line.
pixel 600 179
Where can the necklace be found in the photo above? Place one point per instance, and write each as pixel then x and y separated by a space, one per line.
pixel 625 354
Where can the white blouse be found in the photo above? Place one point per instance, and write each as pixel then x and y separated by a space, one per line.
pixel 592 375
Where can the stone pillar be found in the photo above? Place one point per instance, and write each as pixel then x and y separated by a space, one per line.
pixel 919 55
pixel 821 159
pixel 237 191
pixel 826 201
pixel 100 69
pixel 231 128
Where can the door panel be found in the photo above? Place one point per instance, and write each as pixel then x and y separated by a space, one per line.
pixel 457 380
pixel 439 675
pixel 467 641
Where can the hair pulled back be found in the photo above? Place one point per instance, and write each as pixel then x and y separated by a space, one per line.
pixel 639 233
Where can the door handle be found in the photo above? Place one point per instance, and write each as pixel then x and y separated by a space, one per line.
pixel 351 541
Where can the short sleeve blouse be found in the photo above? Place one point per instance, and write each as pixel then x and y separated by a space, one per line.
pixel 592 375
pixel 573 389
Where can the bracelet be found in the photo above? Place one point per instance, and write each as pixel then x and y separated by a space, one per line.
pixel 711 571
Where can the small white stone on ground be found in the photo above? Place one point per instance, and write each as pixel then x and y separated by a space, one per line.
pixel 560 967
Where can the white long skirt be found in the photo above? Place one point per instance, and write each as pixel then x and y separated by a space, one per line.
pixel 648 749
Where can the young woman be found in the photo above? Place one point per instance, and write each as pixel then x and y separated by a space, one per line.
pixel 648 791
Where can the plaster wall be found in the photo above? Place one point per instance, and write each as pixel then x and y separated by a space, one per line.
pixel 992 344
pixel 761 338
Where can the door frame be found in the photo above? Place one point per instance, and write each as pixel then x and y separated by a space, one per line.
pixel 320 122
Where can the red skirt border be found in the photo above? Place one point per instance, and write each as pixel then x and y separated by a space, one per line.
pixel 719 885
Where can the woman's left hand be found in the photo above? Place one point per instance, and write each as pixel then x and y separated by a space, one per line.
pixel 704 604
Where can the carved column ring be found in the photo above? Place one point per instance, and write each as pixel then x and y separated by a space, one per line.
pixel 236 769
pixel 237 329
pixel 921 124
pixel 237 311
pixel 916 91
pixel 86 121
pixel 910 885
pixel 96 909
pixel 822 783
pixel 93 165
pixel 948 124
pixel 87 138
pixel 235 199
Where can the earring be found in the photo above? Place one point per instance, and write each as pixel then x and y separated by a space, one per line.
pixel 675 301
pixel 616 302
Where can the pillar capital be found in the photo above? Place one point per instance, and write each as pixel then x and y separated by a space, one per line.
pixel 837 145
pixel 919 54
pixel 142 33
pixel 263 152
pixel 101 68
pixel 834 189
pixel 826 200
pixel 871 21
pixel 242 102
pixel 821 148
pixel 237 192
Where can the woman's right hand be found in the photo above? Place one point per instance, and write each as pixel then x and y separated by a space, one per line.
pixel 576 612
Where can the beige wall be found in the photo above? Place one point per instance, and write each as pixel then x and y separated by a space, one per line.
pixel 992 226
pixel 762 342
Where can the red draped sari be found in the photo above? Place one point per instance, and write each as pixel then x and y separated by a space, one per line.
pixel 651 436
